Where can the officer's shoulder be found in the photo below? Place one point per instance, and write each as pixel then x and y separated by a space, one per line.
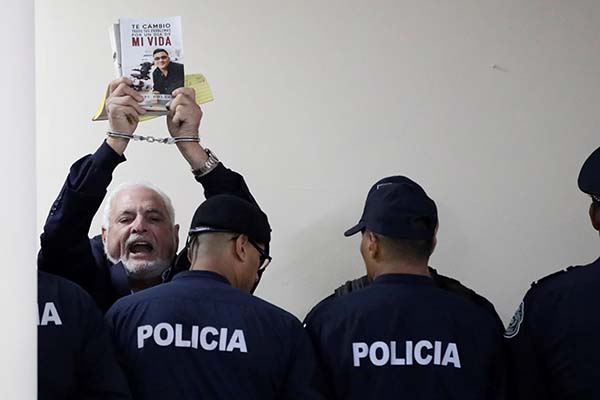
pixel 456 287
pixel 352 286
pixel 337 304
pixel 62 285
pixel 544 293
pixel 130 302
pixel 567 276
pixel 550 279
pixel 69 295
pixel 317 308
pixel 349 287
pixel 120 305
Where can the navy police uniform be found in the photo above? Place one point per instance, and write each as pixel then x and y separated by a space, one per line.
pixel 403 336
pixel 553 336
pixel 66 249
pixel 75 355
pixel 197 337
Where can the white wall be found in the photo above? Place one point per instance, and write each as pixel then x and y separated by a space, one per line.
pixel 18 343
pixel 317 100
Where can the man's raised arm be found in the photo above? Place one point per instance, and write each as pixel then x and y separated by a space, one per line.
pixel 65 246
pixel 183 120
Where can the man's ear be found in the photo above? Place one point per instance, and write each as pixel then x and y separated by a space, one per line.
pixel 595 216
pixel 240 247
pixel 372 244
pixel 104 235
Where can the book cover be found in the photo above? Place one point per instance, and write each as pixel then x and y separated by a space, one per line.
pixel 152 57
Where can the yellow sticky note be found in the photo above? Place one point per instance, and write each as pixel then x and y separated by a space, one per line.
pixel 200 84
pixel 196 81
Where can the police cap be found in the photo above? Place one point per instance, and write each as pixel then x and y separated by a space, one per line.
pixel 589 177
pixel 398 207
pixel 228 213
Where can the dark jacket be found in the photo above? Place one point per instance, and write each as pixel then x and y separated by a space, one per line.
pixel 402 336
pixel 554 337
pixel 75 354
pixel 197 337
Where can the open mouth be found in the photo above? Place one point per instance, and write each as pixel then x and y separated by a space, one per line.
pixel 141 247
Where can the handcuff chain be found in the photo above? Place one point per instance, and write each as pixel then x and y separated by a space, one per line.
pixel 152 139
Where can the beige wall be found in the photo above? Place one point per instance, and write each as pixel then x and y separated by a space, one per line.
pixel 316 100
pixel 18 343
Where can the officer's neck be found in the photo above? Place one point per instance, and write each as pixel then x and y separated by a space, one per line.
pixel 411 267
pixel 218 266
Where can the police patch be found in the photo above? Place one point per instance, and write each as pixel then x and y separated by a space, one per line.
pixel 515 322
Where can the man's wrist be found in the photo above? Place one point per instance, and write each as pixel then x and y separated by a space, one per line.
pixel 117 144
pixel 194 153
pixel 210 164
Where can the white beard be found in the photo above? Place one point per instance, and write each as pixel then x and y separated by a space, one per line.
pixel 140 270
pixel 144 269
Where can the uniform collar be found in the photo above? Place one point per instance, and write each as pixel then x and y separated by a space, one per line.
pixel 201 275
pixel 403 278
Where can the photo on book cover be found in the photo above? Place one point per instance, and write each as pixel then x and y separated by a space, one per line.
pixel 152 57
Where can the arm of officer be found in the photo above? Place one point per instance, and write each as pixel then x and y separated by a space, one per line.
pixel 524 364
pixel 304 378
pixel 184 120
pixel 65 247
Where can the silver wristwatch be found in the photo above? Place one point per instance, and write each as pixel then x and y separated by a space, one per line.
pixel 208 165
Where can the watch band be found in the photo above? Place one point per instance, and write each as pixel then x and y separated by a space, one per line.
pixel 208 166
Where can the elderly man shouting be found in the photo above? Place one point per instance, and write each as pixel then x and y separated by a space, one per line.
pixel 139 241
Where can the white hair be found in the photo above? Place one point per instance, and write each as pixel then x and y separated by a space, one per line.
pixel 127 185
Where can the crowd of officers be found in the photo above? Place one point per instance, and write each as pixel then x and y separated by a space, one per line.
pixel 125 315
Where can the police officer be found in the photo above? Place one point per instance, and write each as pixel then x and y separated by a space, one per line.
pixel 402 336
pixel 554 336
pixel 203 335
pixel 75 355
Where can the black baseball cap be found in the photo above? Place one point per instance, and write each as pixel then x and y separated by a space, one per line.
pixel 399 208
pixel 589 176
pixel 228 213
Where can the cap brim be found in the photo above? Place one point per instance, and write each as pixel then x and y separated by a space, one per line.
pixel 589 179
pixel 202 229
pixel 355 229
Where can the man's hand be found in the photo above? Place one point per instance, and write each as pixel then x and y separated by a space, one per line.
pixel 183 119
pixel 123 111
pixel 184 114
